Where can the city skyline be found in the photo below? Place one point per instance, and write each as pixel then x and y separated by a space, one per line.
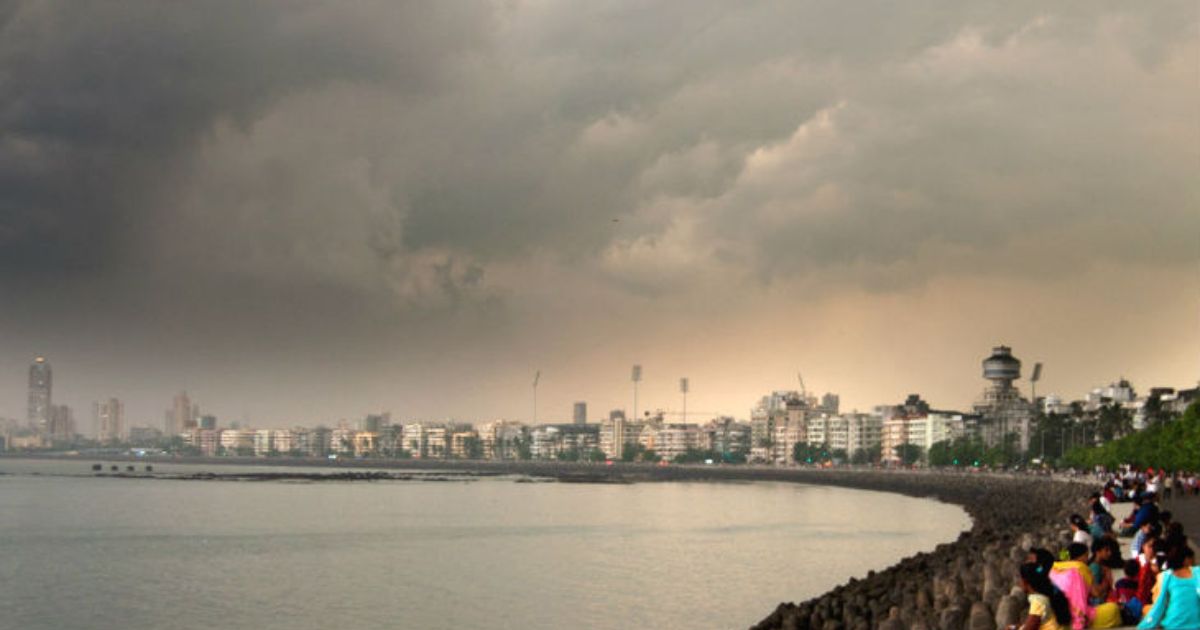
pixel 183 414
pixel 316 211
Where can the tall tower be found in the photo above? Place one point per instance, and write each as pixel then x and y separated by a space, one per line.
pixel 1002 408
pixel 1002 368
pixel 41 381
pixel 580 415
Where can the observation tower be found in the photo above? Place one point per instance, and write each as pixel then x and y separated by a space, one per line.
pixel 1002 409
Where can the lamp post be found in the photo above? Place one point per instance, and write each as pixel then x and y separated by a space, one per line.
pixel 1033 381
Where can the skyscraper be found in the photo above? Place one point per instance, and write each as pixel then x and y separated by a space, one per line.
pixel 110 420
pixel 41 381
pixel 61 427
pixel 182 415
pixel 580 413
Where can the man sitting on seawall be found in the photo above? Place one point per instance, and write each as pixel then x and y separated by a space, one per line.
pixel 1145 511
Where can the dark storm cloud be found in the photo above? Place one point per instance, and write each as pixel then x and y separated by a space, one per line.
pixel 102 104
pixel 495 133
pixel 336 181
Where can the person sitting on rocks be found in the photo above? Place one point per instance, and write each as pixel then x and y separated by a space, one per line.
pixel 1148 571
pixel 1080 531
pixel 1106 556
pixel 1074 578
pixel 1109 496
pixel 1146 512
pixel 1178 604
pixel 1048 607
pixel 1127 528
pixel 1125 593
pixel 1173 536
pixel 1149 530
pixel 1102 521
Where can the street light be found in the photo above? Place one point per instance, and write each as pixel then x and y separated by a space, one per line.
pixel 1033 380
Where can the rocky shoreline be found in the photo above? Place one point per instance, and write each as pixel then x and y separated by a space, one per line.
pixel 967 584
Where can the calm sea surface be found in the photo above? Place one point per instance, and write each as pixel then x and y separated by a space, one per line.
pixel 86 552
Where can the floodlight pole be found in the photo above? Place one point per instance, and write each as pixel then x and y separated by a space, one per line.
pixel 683 388
pixel 636 376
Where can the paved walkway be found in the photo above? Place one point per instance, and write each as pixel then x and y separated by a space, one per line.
pixel 1187 511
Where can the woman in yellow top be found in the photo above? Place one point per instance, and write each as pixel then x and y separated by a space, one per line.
pixel 1048 607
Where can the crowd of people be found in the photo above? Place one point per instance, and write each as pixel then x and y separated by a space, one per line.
pixel 1094 583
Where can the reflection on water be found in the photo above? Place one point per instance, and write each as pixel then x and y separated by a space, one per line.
pixel 127 553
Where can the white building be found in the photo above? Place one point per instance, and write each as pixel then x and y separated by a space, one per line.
pixel 922 431
pixel 612 437
pixel 673 440
pixel 263 444
pixel 282 441
pixel 1120 393
pixel 235 440
pixel 863 432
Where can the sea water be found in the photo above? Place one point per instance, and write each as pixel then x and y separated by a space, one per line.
pixel 80 551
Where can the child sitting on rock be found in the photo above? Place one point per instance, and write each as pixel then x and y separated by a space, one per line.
pixel 1125 593
pixel 1048 607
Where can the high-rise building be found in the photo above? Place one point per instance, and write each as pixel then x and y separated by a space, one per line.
pixel 771 411
pixel 41 382
pixel 61 427
pixel 109 416
pixel 777 423
pixel 830 403
pixel 375 423
pixel 580 416
pixel 208 422
pixel 182 416
pixel 613 435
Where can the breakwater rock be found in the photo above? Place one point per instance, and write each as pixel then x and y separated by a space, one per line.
pixel 969 584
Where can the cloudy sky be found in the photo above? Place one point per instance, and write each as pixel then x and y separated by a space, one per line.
pixel 304 211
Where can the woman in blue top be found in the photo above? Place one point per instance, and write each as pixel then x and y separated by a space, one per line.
pixel 1177 606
